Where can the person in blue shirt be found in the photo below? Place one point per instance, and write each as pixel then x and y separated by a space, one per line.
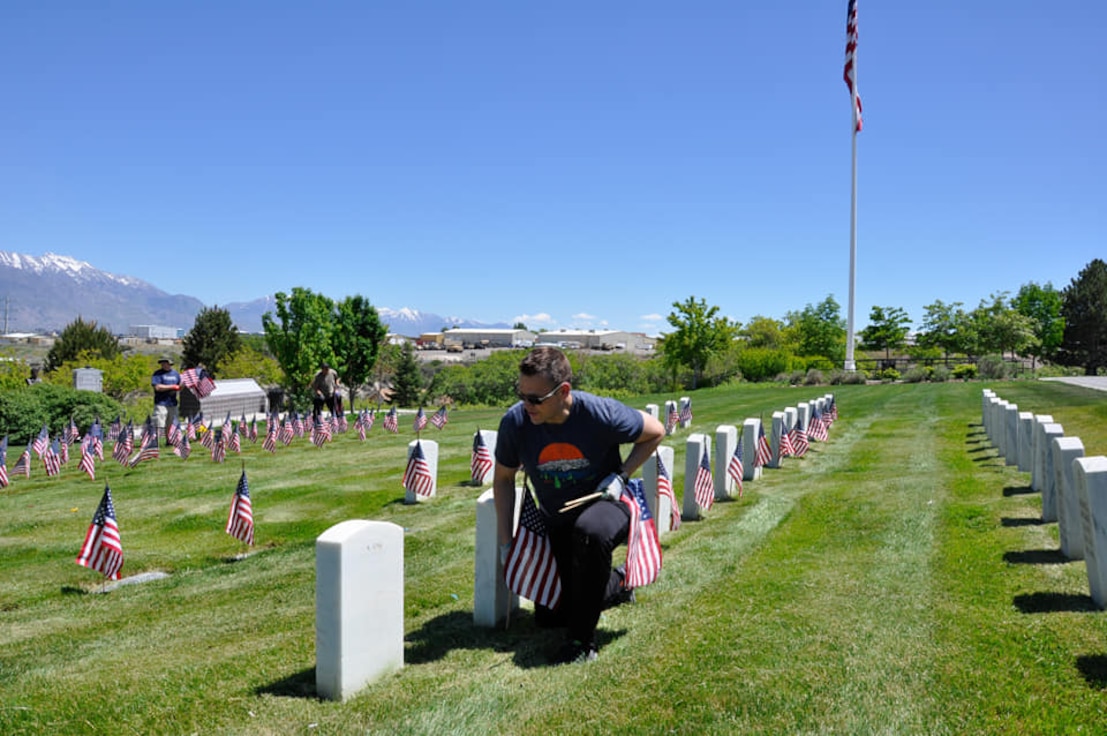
pixel 568 443
pixel 167 384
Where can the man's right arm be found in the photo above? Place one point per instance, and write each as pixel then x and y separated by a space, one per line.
pixel 503 494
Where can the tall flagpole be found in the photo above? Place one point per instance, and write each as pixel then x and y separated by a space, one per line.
pixel 850 75
pixel 850 364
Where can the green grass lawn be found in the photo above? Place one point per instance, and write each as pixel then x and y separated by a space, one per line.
pixel 896 580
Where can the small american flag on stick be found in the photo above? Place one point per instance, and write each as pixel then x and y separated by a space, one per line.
pixel 240 521
pixel 103 549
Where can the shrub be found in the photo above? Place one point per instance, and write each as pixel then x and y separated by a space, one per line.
pixel 762 364
pixel 993 367
pixel 917 374
pixel 24 411
pixel 940 374
pixel 813 377
pixel 819 363
pixel 889 375
pixel 843 377
pixel 965 372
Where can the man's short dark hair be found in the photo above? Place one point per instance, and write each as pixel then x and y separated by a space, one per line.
pixel 548 362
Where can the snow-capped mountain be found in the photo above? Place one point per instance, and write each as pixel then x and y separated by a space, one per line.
pixel 46 293
pixel 42 294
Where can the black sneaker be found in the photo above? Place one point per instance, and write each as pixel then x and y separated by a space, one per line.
pixel 575 652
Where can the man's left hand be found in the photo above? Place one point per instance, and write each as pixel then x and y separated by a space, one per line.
pixel 611 487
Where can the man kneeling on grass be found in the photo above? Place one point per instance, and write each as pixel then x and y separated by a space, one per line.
pixel 567 443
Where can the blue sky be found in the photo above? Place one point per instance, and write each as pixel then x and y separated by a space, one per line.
pixel 572 164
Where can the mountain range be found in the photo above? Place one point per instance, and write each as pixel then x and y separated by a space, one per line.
pixel 43 294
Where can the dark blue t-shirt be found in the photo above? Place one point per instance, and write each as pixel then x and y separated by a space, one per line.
pixel 165 378
pixel 568 460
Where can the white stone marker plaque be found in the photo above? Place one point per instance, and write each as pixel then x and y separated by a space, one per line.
pixel 1069 525
pixel 1046 473
pixel 491 598
pixel 359 606
pixel 694 448
pixel 1026 441
pixel 430 454
pixel 1036 440
pixel 1011 443
pixel 1090 476
pixel 660 506
pixel 652 410
pixel 774 439
pixel 750 469
pixel 726 441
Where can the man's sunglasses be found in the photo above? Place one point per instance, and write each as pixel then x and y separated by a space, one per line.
pixel 535 399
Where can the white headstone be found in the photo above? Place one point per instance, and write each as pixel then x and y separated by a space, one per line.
pixel 359 606
pixel 984 396
pixel 1069 525
pixel 1044 460
pixel 774 439
pixel 750 469
pixel 430 452
pixel 685 402
pixel 1090 476
pixel 1026 441
pixel 489 436
pixel 994 404
pixel 1036 440
pixel 694 448
pixel 726 442
pixel 491 598
pixel 790 415
pixel 1011 443
pixel 660 506
pixel 804 415
pixel 670 409
pixel 652 410
pixel 1000 438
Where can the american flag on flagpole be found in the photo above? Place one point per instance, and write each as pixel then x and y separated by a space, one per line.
pixel 686 410
pixel 183 448
pixel 704 484
pixel 417 475
pixel 297 424
pixel 103 548
pixel 643 547
pixel 96 432
pixel 320 432
pixel 72 434
pixel 764 454
pixel 734 468
pixel 198 381
pixel 240 521
pixel 218 445
pixel 88 458
pixel 531 570
pixel 4 462
pixel 114 429
pixel 23 464
pixel 816 430
pixel 236 441
pixel 480 464
pixel 190 428
pixel 124 443
pixel 148 451
pixel 252 433
pixel 440 418
pixel 671 418
pixel 391 421
pixel 799 438
pixel 286 432
pixel 63 449
pixel 420 422
pixel 51 459
pixel 786 449
pixel 42 441
pixel 173 432
pixel 850 71
pixel 665 490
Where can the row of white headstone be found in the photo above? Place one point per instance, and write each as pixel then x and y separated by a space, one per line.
pixel 1073 487
pixel 359 564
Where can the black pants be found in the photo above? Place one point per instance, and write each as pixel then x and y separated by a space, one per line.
pixel 319 402
pixel 583 548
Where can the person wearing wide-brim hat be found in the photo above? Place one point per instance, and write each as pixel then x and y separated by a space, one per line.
pixel 167 384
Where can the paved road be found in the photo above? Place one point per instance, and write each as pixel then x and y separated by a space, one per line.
pixel 1099 383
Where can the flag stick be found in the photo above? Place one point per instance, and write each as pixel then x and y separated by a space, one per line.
pixel 850 364
pixel 578 502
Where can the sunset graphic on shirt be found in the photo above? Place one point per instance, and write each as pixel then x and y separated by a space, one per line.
pixel 561 463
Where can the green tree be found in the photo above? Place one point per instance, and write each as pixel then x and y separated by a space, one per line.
pixel 887 330
pixel 212 340
pixel 82 337
pixel 248 362
pixel 357 340
pixel 764 332
pixel 944 327
pixel 407 386
pixel 300 337
pixel 699 335
pixel 819 330
pixel 1084 309
pixel 1042 304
